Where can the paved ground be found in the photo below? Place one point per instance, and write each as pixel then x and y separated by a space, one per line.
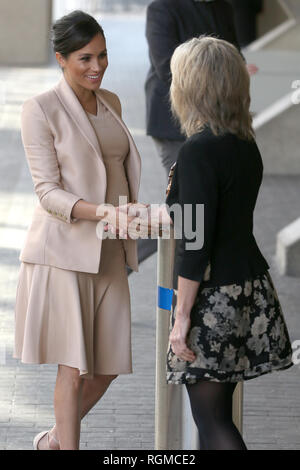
pixel 124 419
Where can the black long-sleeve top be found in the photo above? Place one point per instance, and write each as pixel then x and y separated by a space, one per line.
pixel 224 173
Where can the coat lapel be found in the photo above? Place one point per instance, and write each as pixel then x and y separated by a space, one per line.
pixel 75 110
pixel 72 105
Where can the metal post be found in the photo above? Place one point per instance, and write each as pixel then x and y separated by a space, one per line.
pixel 237 406
pixel 174 425
pixel 163 394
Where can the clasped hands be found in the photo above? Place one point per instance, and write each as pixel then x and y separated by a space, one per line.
pixel 134 220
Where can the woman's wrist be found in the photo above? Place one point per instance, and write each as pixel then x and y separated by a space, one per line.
pixel 183 313
pixel 86 210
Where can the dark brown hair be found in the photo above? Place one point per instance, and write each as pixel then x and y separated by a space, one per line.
pixel 74 31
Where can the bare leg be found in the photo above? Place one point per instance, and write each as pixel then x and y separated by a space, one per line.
pixel 92 391
pixel 67 403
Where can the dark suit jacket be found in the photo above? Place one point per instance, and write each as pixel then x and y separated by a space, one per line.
pixel 170 23
pixel 224 173
pixel 245 13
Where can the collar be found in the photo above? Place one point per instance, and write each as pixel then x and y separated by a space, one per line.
pixel 73 107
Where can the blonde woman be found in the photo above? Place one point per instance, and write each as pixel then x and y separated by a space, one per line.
pixel 228 325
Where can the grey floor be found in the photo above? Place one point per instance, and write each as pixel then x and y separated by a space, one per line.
pixel 124 419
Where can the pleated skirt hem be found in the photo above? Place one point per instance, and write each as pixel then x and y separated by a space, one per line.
pixel 83 373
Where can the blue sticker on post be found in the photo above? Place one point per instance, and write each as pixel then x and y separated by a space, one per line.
pixel 164 297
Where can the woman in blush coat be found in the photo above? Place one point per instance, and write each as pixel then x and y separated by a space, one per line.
pixel 73 302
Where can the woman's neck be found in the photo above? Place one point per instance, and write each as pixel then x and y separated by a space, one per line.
pixel 85 96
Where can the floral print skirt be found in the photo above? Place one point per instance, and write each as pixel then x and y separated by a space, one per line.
pixel 237 332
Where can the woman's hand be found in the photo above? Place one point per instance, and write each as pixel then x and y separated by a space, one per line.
pixel 178 338
pixel 134 208
pixel 159 217
pixel 153 221
pixel 186 295
pixel 119 219
pixel 252 69
pixel 138 220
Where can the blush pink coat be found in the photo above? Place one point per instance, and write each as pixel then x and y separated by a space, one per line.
pixel 66 165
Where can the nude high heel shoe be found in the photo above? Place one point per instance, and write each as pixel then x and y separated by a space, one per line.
pixel 39 436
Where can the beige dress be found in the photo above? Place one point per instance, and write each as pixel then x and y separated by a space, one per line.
pixel 79 319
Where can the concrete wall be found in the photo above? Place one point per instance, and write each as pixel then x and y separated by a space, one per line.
pixel 62 7
pixel 288 40
pixel 288 250
pixel 272 15
pixel 292 6
pixel 278 138
pixel 24 32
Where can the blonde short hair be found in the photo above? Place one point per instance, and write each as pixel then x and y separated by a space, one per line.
pixel 210 86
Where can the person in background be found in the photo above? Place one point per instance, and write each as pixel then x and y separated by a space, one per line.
pixel 168 24
pixel 228 325
pixel 245 16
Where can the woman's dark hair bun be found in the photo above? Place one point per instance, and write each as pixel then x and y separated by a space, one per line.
pixel 74 31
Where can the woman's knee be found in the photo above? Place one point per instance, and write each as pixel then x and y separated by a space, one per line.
pixel 106 377
pixel 103 381
pixel 70 375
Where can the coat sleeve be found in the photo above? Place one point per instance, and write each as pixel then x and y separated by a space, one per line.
pixel 162 37
pixel 42 160
pixel 197 185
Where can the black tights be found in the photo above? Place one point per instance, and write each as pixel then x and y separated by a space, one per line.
pixel 211 404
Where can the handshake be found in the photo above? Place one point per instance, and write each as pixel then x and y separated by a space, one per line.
pixel 133 220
